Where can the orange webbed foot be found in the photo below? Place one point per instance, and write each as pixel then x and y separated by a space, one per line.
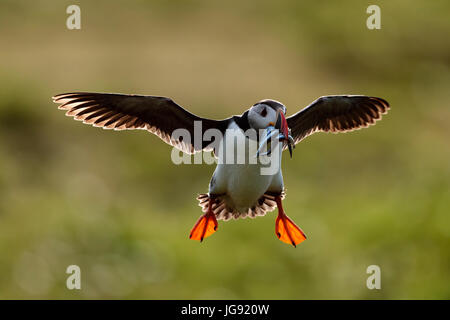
pixel 285 229
pixel 206 225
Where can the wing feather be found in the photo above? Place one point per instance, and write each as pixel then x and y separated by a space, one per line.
pixel 336 114
pixel 158 115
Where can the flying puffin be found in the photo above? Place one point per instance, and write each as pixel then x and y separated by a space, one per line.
pixel 237 189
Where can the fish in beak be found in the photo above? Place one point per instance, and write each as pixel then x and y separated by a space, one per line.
pixel 281 128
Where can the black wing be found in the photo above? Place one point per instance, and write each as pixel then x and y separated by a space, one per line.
pixel 336 114
pixel 158 115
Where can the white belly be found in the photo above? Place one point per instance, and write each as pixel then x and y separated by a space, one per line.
pixel 245 180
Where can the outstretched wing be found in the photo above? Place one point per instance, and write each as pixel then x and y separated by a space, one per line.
pixel 158 115
pixel 336 114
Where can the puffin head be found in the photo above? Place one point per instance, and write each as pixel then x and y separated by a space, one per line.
pixel 266 113
pixel 269 115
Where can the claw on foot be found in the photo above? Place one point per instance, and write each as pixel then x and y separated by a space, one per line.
pixel 285 229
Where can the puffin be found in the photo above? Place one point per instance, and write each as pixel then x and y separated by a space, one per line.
pixel 245 145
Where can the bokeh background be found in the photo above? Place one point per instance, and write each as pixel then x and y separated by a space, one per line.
pixel 114 204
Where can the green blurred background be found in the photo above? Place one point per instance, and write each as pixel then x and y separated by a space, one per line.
pixel 114 204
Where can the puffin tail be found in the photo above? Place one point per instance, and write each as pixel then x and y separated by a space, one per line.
pixel 223 207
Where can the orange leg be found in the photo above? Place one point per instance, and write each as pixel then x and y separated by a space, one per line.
pixel 285 229
pixel 206 225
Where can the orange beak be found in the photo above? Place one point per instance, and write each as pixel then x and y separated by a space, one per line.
pixel 282 125
pixel 283 133
pixel 283 128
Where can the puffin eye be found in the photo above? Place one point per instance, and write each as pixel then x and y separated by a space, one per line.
pixel 264 112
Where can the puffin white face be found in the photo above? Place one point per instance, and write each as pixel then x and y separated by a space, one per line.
pixel 270 114
pixel 261 115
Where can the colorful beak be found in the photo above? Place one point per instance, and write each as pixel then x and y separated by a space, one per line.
pixel 282 125
pixel 283 134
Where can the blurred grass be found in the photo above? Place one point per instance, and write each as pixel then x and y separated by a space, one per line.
pixel 115 205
